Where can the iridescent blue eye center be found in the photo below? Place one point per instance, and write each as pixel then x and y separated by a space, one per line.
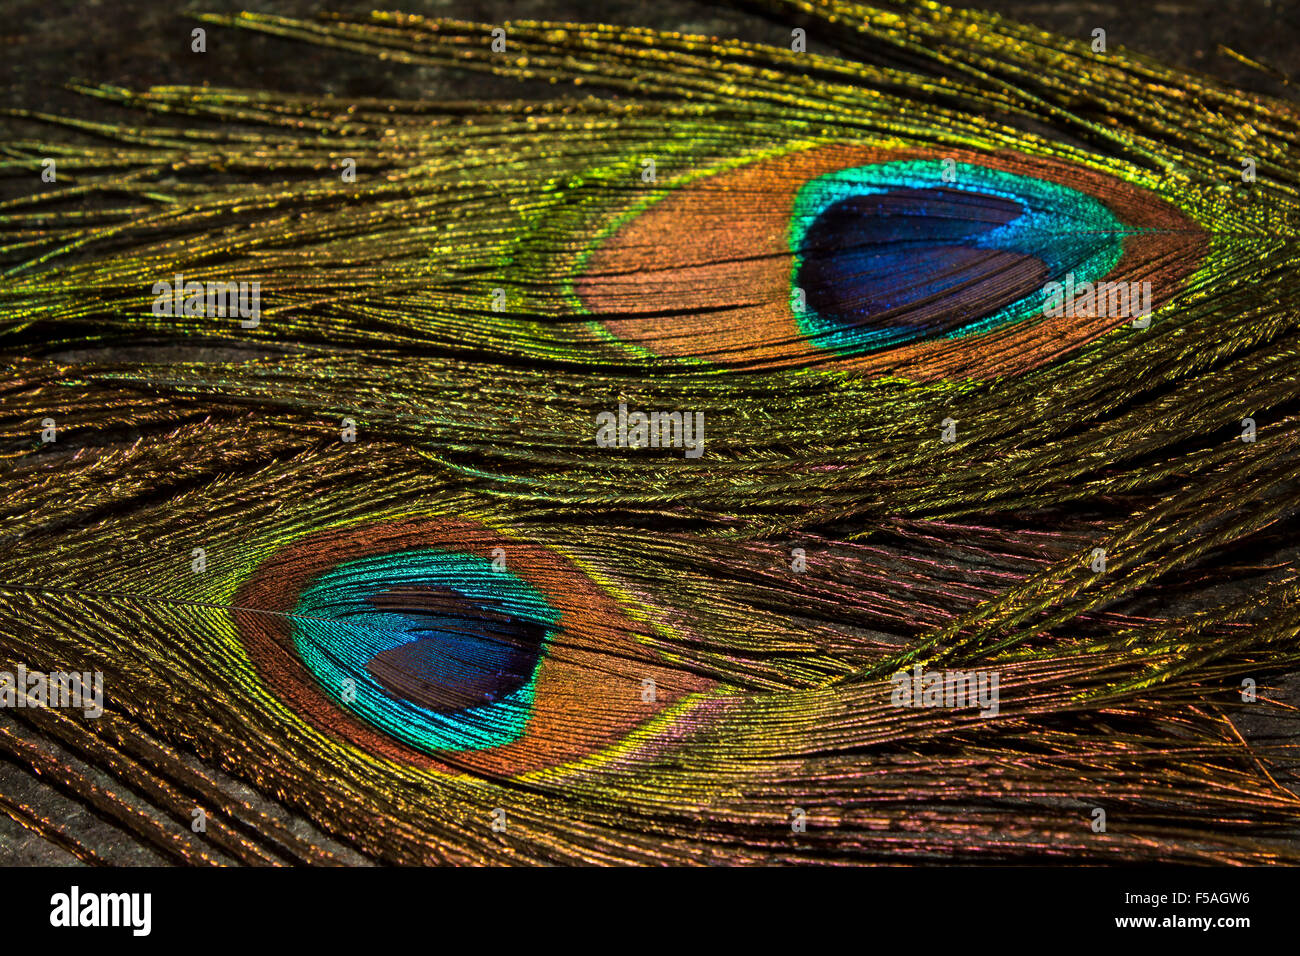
pixel 904 260
pixel 461 654
pixel 439 649
pixel 916 249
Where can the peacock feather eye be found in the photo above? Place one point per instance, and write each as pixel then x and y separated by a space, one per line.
pixel 915 263
pixel 891 253
pixel 443 644
pixel 436 648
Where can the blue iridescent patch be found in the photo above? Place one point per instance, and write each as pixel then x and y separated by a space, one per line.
pixel 438 649
pixel 897 252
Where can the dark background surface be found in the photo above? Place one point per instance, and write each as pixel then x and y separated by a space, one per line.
pixel 140 43
pixel 45 44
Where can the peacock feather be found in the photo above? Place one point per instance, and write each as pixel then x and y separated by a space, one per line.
pixel 971 349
